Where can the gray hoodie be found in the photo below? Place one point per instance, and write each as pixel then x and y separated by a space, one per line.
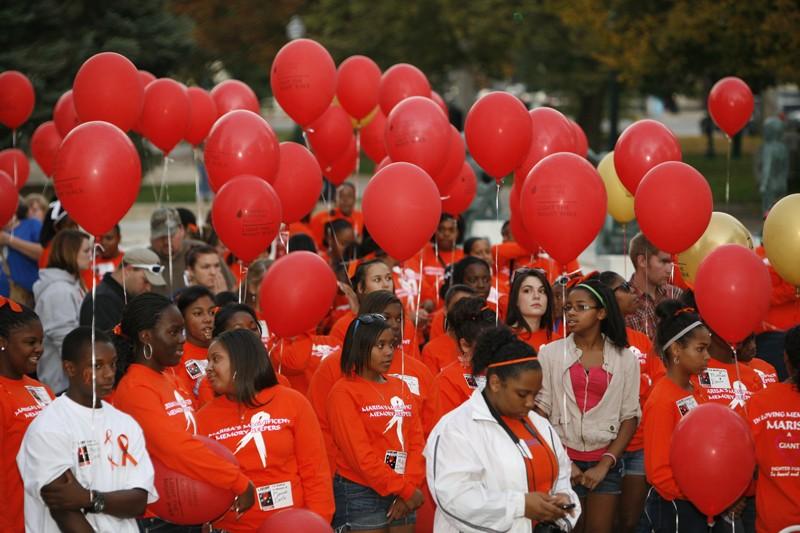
pixel 58 297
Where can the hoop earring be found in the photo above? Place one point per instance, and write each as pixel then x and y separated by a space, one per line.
pixel 145 353
pixel 234 375
pixel 676 360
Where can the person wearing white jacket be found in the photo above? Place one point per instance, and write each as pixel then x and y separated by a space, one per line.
pixel 493 465
pixel 58 294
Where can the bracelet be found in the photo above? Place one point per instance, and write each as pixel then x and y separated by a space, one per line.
pixel 612 456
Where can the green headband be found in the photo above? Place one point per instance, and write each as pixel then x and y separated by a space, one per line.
pixel 593 291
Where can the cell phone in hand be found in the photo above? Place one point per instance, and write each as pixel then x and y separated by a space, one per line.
pixel 567 506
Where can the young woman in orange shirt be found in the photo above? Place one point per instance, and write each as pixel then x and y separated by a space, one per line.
pixel 196 304
pixel 21 400
pixel 149 341
pixel 682 340
pixel 530 307
pixel 376 427
pixel 270 428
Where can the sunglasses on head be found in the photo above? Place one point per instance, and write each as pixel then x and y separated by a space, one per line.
pixel 155 269
pixel 369 318
pixel 525 271
pixel 625 287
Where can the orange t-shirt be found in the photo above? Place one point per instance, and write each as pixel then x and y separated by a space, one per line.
pixel 279 447
pixel 21 400
pixel 543 468
pixel 455 384
pixel 167 419
pixel 775 424
pixel 537 339
pixel 339 330
pixel 721 384
pixel 651 369
pixel 378 435
pixel 439 353
pixel 298 358
pixel 433 266
pixel 190 373
pixel 318 221
pixel 767 372
pixel 418 378
pixel 665 407
pixel 437 323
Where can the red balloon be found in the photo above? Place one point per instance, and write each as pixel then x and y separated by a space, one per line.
pixel 399 82
pixel 732 288
pixel 401 208
pixel 165 114
pixel 330 134
pixel 107 88
pixel 241 142
pixel 519 232
pixel 563 205
pixel 715 474
pixel 202 115
pixel 295 519
pixel 461 192
pixel 97 176
pixel 730 104
pixel 145 78
pixel 341 169
pixel 234 94
pixel 436 97
pixel 45 142
pixel 303 80
pixel 498 133
pixel 16 98
pixel 14 162
pixel 418 132
pixel 383 164
pixel 581 142
pixel 9 197
pixel 373 137
pixel 552 133
pixel 186 501
pixel 64 114
pixel 297 292
pixel 643 145
pixel 246 214
pixel 673 206
pixel 358 83
pixel 298 183
pixel 453 161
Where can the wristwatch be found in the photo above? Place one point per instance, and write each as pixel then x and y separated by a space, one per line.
pixel 97 502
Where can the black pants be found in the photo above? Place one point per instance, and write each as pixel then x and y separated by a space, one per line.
pixel 662 514
pixel 156 525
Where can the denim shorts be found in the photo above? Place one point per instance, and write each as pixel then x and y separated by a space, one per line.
pixel 611 484
pixel 359 508
pixel 633 463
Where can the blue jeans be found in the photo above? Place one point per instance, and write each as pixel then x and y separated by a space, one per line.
pixel 611 484
pixel 359 508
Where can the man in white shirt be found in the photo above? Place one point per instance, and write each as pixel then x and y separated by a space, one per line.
pixel 85 469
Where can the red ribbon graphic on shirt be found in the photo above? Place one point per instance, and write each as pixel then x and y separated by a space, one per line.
pixel 122 442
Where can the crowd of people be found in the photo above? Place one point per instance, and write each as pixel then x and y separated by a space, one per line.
pixel 490 390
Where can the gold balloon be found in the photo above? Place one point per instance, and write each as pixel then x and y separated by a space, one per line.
pixel 722 229
pixel 782 238
pixel 620 201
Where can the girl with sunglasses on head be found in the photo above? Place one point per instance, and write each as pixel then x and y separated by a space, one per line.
pixel 590 393
pixel 270 428
pixel 682 340
pixel 530 307
pixel 149 342
pixel 651 369
pixel 456 382
pixel 196 304
pixel 412 371
pixel 375 423
pixel 21 400
pixel 492 463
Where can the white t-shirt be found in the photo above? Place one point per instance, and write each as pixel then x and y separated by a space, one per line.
pixel 105 453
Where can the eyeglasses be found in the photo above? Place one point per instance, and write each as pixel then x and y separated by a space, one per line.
pixel 579 307
pixel 155 269
pixel 625 287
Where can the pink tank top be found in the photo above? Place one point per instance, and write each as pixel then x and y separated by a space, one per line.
pixel 589 388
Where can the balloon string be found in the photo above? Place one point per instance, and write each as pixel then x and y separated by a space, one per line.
pixel 197 198
pixel 625 250
pixel 736 391
pixel 46 186
pixel 497 256
pixel 169 252
pixel 358 151
pixel 564 333
pixel 95 246
pixel 419 293
pixel 436 254
pixel 728 172
pixel 14 145
pixel 163 187
pixel 242 280
pixel 646 289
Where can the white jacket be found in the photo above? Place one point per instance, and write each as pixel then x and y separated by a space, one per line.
pixel 477 475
